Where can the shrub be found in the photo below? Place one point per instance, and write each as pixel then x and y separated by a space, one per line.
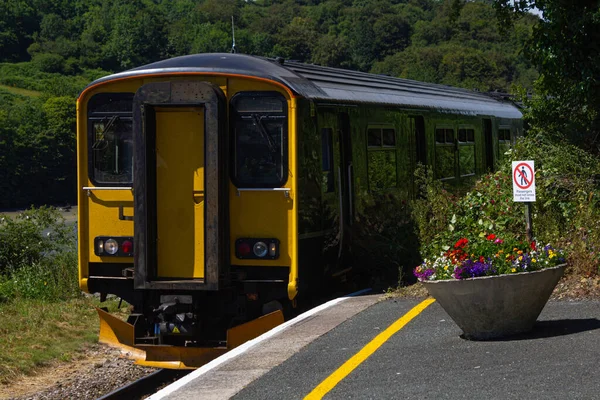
pixel 33 236
pixel 566 212
pixel 38 257
pixel 48 62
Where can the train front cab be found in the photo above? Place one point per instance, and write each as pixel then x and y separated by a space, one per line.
pixel 186 210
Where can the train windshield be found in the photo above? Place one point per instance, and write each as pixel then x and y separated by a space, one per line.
pixel 111 138
pixel 260 139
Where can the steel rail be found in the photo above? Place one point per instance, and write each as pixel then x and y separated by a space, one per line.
pixel 146 385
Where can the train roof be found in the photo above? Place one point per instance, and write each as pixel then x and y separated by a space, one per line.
pixel 334 85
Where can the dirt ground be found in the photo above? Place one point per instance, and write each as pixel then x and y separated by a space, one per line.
pixel 99 370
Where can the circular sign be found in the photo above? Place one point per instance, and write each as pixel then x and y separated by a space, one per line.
pixel 523 176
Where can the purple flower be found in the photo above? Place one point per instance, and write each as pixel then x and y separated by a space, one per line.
pixel 472 269
pixel 423 273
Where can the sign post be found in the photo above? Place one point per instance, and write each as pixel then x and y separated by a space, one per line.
pixel 523 178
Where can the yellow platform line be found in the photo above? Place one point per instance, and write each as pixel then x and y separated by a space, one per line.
pixel 332 380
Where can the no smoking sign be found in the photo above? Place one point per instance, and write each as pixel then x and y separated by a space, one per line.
pixel 523 178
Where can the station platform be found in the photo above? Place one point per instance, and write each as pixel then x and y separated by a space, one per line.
pixel 372 347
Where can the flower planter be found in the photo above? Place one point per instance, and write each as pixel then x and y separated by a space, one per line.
pixel 495 306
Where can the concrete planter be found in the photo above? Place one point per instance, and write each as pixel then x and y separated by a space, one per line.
pixel 495 306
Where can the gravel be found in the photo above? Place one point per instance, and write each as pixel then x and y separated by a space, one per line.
pixel 101 371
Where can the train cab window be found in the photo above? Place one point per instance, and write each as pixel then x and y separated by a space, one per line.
pixel 381 143
pixel 444 153
pixel 259 121
pixel 110 138
pixel 466 151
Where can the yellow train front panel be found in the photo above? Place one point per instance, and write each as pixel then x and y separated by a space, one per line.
pixel 107 207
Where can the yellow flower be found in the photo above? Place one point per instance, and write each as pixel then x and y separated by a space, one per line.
pixel 501 251
pixel 445 268
pixel 515 249
pixel 533 260
pixel 520 252
pixel 513 270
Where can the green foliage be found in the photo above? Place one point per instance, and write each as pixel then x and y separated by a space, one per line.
pixel 564 48
pixel 37 146
pixel 38 259
pixel 31 237
pixel 58 47
pixel 384 240
pixel 48 62
pixel 566 212
pixel 462 46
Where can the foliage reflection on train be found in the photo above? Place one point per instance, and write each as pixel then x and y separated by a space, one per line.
pixel 219 188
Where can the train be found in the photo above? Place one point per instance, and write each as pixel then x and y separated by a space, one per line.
pixel 215 190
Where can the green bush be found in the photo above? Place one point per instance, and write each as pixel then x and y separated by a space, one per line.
pixel 48 62
pixel 38 256
pixel 32 237
pixel 566 212
pixel 54 278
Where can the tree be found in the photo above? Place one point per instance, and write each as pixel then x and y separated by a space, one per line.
pixel 565 48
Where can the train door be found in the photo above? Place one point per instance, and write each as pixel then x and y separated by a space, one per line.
pixel 345 187
pixel 337 193
pixel 489 144
pixel 178 195
pixel 416 125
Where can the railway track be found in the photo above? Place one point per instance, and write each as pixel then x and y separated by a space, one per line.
pixel 146 385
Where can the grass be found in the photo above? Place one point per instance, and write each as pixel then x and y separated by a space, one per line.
pixel 21 91
pixel 35 333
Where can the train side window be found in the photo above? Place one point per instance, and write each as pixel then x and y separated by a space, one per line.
pixel 327 159
pixel 444 153
pixel 382 162
pixel 389 137
pixel 110 138
pixel 259 121
pixel 504 141
pixel 466 151
pixel 374 137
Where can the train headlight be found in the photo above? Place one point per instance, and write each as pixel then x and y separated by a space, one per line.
pixel 257 248
pixel 116 246
pixel 260 249
pixel 111 246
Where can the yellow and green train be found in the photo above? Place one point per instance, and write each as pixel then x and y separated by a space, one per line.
pixel 217 188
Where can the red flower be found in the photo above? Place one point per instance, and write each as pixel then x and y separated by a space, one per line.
pixel 533 247
pixel 461 243
pixel 490 236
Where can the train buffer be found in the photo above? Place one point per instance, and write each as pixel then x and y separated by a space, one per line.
pixel 371 347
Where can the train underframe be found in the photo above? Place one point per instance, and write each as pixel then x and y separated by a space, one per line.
pixel 186 329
